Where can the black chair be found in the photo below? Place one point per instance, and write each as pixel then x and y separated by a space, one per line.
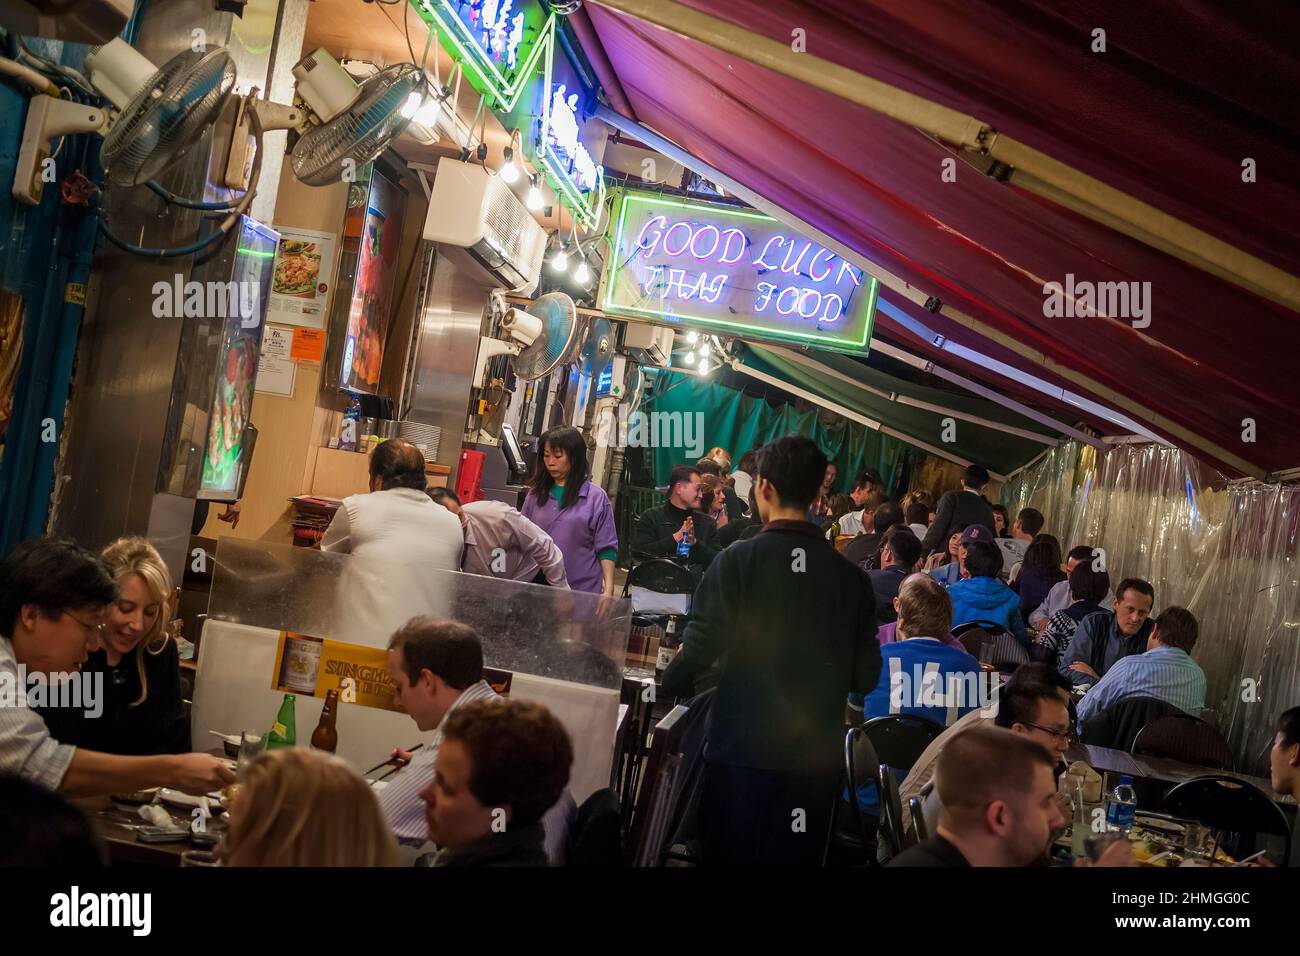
pixel 1186 738
pixel 899 739
pixel 1230 805
pixel 1008 653
pixel 891 811
pixel 596 838
pixel 920 832
pixel 1117 726
pixel 662 575
pixel 854 829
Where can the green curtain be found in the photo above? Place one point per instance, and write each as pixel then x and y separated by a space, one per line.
pixel 714 415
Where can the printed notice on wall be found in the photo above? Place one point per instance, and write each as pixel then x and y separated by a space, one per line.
pixel 304 272
pixel 275 370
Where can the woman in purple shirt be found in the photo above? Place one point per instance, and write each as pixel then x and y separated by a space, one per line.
pixel 573 511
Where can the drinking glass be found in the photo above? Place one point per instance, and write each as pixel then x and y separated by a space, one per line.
pixel 986 655
pixel 251 744
pixel 1196 839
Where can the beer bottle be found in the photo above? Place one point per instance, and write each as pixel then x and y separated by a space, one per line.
pixel 325 736
pixel 667 647
pixel 284 731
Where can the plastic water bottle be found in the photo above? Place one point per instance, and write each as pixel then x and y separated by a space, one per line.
pixel 1121 806
pixel 684 546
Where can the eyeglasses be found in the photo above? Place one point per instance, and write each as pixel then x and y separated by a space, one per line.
pixel 90 628
pixel 1066 735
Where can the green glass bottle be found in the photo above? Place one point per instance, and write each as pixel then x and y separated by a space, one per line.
pixel 284 732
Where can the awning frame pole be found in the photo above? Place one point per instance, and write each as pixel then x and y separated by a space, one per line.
pixel 902 399
pixel 850 414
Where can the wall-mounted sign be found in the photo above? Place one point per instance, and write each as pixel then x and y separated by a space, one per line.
pixel 559 148
pixel 497 42
pixel 724 267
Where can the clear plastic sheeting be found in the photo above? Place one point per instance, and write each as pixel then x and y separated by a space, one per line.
pixel 1229 553
pixel 528 628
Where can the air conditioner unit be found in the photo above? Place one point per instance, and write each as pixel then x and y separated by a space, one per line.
pixel 648 344
pixel 472 209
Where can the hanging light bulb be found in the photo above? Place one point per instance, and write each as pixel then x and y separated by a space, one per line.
pixel 703 364
pixel 429 111
pixel 689 358
pixel 705 367
pixel 692 337
pixel 534 200
pixel 583 274
pixel 508 171
pixel 560 261
pixel 704 349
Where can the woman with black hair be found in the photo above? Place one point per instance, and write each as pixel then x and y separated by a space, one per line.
pixel 573 511
pixel 1039 573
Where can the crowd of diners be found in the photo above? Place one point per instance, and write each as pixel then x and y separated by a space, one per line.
pixel 807 601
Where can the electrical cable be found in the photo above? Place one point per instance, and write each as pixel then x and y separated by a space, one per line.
pixel 175 200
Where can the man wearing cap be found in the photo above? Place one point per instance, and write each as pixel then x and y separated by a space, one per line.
pixel 956 508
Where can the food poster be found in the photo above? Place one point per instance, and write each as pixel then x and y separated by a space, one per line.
pixel 304 277
pixel 381 234
pixel 236 372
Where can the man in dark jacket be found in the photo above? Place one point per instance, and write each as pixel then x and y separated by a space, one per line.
pixel 1103 638
pixel 898 557
pixel 864 550
pixel 502 764
pixel 795 625
pixel 956 508
pixel 659 530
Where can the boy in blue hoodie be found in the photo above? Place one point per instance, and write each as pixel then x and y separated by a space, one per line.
pixel 980 596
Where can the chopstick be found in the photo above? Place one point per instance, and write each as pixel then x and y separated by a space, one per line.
pixel 1253 856
pixel 380 766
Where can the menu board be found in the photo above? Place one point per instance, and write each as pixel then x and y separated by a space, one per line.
pixel 304 274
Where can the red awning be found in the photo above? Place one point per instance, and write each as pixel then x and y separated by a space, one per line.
pixel 1167 114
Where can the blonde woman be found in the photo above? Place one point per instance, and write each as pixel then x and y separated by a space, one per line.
pixel 297 807
pixel 143 713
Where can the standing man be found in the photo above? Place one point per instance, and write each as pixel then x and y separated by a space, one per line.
pixel 501 543
pixel 967 507
pixel 795 624
pixel 1103 638
pixel 398 540
pixel 52 599
pixel 660 530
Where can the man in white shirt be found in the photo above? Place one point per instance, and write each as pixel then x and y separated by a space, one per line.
pixel 399 541
pixel 868 493
pixel 1028 523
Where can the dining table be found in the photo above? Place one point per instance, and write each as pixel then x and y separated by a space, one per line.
pixel 1163 770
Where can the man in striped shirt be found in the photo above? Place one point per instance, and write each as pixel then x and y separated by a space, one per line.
pixel 436 667
pixel 1165 671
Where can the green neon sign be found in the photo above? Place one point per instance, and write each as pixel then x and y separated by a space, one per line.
pixel 727 268
pixel 559 150
pixel 497 42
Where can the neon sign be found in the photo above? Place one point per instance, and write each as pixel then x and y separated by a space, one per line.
pixel 559 149
pixel 732 268
pixel 497 42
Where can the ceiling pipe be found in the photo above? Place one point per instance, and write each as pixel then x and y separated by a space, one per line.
pixel 595 50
